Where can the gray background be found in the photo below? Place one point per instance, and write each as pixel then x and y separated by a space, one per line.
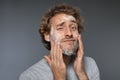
pixel 21 46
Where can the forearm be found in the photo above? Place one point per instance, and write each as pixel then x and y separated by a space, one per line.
pixel 59 78
pixel 82 76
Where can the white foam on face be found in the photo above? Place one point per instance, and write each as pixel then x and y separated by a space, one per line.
pixel 54 36
pixel 68 18
pixel 51 33
pixel 72 51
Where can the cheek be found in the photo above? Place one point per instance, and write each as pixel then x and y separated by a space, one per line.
pixel 54 35
pixel 57 36
pixel 75 35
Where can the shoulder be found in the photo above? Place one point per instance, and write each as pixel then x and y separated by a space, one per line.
pixel 36 71
pixel 89 61
pixel 91 68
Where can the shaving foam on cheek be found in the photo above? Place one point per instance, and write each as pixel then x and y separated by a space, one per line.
pixel 54 36
pixel 57 36
pixel 51 33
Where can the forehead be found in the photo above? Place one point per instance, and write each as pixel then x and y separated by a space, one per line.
pixel 59 18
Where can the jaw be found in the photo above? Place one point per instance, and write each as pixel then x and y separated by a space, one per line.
pixel 68 53
pixel 68 59
pixel 70 49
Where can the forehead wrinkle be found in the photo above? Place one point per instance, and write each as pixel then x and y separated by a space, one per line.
pixel 68 19
pixel 61 18
pixel 61 23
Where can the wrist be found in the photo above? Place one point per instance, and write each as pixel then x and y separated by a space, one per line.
pixel 60 78
pixel 82 76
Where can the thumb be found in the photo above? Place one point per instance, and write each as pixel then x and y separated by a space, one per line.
pixel 47 58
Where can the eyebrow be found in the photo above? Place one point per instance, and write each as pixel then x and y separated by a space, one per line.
pixel 74 21
pixel 64 22
pixel 60 24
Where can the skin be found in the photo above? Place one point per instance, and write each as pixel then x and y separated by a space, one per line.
pixel 58 30
pixel 67 51
pixel 63 36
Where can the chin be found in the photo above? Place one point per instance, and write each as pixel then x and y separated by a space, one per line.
pixel 70 49
pixel 69 52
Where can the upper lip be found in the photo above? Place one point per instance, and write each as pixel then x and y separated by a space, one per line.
pixel 68 40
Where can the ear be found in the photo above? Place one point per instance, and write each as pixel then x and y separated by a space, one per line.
pixel 47 37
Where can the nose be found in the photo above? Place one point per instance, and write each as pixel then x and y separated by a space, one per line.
pixel 68 32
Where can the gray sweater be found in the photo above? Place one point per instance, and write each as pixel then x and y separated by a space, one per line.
pixel 42 71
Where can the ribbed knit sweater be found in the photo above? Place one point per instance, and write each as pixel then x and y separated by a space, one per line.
pixel 42 71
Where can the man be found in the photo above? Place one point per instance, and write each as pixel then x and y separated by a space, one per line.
pixel 60 31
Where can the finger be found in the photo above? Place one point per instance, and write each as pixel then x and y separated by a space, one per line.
pixel 52 50
pixel 81 52
pixel 60 56
pixel 55 52
pixel 56 55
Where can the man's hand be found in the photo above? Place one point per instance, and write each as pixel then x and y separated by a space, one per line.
pixel 56 62
pixel 78 63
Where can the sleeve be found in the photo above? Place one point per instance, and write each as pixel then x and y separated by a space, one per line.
pixel 38 71
pixel 28 75
pixel 24 77
pixel 91 68
pixel 95 73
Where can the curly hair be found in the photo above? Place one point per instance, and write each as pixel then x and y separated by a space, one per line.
pixel 62 8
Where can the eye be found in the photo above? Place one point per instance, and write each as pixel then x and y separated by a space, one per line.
pixel 73 27
pixel 59 28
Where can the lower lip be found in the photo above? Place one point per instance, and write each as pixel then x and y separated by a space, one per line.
pixel 69 41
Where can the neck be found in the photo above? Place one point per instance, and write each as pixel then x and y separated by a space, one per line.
pixel 68 59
